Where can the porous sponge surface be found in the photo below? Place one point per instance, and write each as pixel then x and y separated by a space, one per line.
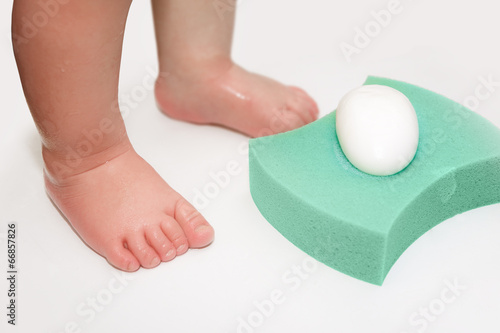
pixel 360 224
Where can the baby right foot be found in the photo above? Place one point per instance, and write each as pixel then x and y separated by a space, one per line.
pixel 226 94
pixel 125 211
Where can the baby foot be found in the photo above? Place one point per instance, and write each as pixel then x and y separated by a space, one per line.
pixel 230 96
pixel 127 213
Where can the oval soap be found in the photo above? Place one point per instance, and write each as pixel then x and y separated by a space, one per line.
pixel 377 128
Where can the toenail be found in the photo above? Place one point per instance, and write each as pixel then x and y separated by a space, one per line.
pixel 182 248
pixel 170 253
pixel 202 228
pixel 155 261
pixel 130 266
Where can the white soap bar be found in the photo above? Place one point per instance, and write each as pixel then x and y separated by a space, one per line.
pixel 377 128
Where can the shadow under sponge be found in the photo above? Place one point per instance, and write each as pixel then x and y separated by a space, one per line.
pixel 360 224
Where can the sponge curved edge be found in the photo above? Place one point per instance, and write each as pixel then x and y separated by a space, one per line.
pixel 461 190
pixel 360 224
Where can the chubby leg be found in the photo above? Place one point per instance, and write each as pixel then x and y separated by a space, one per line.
pixel 114 200
pixel 201 84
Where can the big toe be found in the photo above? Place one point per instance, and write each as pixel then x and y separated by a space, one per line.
pixel 197 230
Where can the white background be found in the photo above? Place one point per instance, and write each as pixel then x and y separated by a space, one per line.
pixel 440 45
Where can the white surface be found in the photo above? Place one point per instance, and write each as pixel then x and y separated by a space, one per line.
pixel 446 46
pixel 377 128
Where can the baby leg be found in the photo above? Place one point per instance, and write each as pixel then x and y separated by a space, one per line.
pixel 203 85
pixel 114 200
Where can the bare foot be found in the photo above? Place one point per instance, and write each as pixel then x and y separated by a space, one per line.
pixel 126 212
pixel 227 95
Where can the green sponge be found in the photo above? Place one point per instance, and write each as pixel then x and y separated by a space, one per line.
pixel 360 224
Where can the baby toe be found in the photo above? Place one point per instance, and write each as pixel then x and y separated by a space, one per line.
pixel 146 255
pixel 175 234
pixel 121 257
pixel 312 106
pixel 291 119
pixel 162 245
